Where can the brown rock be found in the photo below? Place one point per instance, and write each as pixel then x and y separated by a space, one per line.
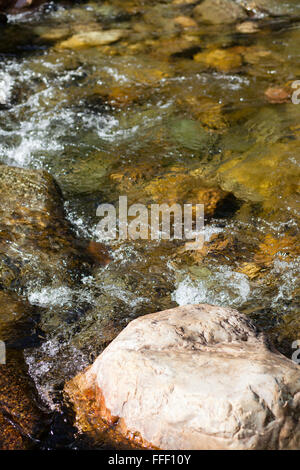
pixel 20 417
pixel 21 420
pixel 247 27
pixel 219 11
pixel 223 60
pixel 33 227
pixel 98 252
pixel 277 95
pixel 185 22
pixel 13 6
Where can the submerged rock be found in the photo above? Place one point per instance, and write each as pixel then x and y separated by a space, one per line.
pixel 265 174
pixel 219 11
pixel 177 186
pixel 92 39
pixel 35 240
pixel 230 11
pixel 185 22
pixel 14 6
pixel 271 7
pixel 224 60
pixel 196 377
pixel 191 135
pixel 21 420
pixel 277 95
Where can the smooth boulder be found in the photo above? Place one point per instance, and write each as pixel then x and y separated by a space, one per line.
pixel 192 377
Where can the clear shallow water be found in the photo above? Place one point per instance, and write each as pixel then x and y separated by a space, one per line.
pixel 142 118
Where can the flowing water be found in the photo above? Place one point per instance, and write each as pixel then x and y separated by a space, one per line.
pixel 156 116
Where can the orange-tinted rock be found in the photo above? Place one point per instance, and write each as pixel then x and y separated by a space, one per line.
pixel 21 420
pixel 32 226
pixel 206 110
pixel 277 95
pixel 185 22
pixel 98 252
pixel 224 60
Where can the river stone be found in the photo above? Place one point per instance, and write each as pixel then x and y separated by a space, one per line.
pixel 192 377
pixel 219 11
pixel 35 239
pixel 192 135
pixel 21 420
pixel 92 39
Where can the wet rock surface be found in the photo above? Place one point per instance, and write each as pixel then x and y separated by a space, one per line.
pixel 92 39
pixel 237 392
pixel 219 11
pixel 22 420
pixel 35 238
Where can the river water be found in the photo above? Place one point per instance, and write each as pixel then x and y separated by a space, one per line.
pixel 169 109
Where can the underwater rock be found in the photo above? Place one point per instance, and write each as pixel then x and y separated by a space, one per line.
pixel 263 175
pixel 92 39
pixel 224 60
pixel 205 110
pixel 238 392
pixel 228 11
pixel 14 6
pixel 191 135
pixel 185 22
pixel 5 89
pixel 179 187
pixel 271 7
pixel 35 240
pixel 284 248
pixel 247 27
pixel 219 11
pixel 20 418
pixel 16 319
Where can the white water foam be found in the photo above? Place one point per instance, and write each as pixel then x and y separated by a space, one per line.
pixel 223 287
pixel 58 296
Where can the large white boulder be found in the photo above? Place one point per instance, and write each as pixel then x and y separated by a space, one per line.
pixel 193 377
